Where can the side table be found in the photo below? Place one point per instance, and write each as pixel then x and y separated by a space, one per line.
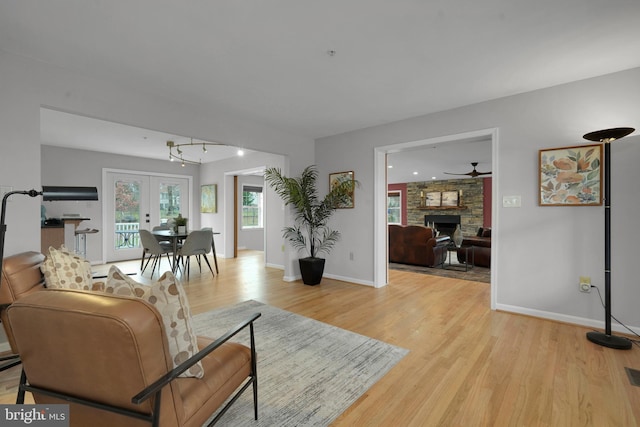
pixel 468 261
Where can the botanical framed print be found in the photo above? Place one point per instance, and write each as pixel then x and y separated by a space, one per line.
pixel 208 198
pixel 433 198
pixel 571 176
pixel 450 198
pixel 337 178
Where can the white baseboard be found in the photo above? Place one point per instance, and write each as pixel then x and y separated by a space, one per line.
pixel 581 321
pixel 276 266
pixel 349 279
pixel 4 346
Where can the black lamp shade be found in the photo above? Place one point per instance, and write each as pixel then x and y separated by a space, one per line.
pixel 606 134
pixel 69 193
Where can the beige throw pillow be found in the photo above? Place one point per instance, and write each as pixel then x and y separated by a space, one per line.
pixel 170 300
pixel 63 269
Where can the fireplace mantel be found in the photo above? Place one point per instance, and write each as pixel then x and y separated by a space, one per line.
pixel 440 208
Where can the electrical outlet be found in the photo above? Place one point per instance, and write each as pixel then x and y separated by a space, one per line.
pixel 585 284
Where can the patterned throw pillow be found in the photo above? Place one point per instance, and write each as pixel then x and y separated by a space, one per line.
pixel 63 269
pixel 170 300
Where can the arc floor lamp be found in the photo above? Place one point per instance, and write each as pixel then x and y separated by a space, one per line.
pixel 606 339
pixel 48 193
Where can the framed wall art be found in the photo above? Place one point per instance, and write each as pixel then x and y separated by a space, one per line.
pixel 450 198
pixel 208 198
pixel 571 176
pixel 337 178
pixel 433 198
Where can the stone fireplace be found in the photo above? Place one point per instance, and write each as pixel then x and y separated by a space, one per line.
pixel 445 224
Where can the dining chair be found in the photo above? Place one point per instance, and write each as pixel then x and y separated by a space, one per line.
pixel 197 243
pixel 155 250
pixel 161 239
pixel 213 247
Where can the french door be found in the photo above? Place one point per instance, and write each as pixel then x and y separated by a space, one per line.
pixel 134 201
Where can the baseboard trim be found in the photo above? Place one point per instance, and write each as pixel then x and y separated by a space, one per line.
pixel 349 279
pixel 276 266
pixel 574 320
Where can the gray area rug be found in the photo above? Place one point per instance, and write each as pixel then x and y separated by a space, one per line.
pixel 309 372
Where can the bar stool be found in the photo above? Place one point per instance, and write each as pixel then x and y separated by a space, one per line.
pixel 81 238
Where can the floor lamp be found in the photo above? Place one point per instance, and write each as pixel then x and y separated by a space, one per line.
pixel 607 136
pixel 48 193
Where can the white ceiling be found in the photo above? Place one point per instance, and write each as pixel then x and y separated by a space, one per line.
pixel 62 129
pixel 269 61
pixel 431 162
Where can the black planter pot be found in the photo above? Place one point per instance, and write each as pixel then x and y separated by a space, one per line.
pixel 311 270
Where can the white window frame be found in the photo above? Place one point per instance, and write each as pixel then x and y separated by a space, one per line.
pixel 399 193
pixel 260 209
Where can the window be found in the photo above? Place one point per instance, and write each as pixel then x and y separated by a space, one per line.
pixel 251 206
pixel 394 207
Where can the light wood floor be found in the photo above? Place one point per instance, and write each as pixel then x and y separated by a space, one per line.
pixel 467 366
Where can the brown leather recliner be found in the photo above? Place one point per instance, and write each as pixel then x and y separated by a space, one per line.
pixel 103 353
pixel 21 276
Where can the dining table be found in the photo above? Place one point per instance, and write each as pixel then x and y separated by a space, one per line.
pixel 175 238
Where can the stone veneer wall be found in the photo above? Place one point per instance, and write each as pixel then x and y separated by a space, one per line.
pixel 471 216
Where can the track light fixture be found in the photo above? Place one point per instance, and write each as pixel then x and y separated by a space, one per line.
pixel 180 156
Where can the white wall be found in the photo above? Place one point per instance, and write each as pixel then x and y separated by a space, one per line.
pixel 542 250
pixel 27 85
pixel 67 166
pixel 221 173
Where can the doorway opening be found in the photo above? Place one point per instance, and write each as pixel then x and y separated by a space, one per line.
pixel 381 272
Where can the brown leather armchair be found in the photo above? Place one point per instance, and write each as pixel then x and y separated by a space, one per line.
pixel 108 357
pixel 21 276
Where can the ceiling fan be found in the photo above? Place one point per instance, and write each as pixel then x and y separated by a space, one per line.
pixel 473 173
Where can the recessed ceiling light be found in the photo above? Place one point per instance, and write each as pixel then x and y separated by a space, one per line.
pixel 390 166
pixel 415 173
pixel 433 177
pixel 240 153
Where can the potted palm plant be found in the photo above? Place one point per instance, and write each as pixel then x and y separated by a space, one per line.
pixel 310 232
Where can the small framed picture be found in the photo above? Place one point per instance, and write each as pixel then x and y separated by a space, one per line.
pixel 208 198
pixel 450 198
pixel 433 198
pixel 337 178
pixel 571 176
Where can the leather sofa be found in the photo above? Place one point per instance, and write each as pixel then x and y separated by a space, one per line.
pixel 416 245
pixel 482 250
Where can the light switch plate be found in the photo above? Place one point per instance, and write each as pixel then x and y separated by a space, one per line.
pixel 511 201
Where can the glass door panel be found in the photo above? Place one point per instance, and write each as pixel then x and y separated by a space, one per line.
pixel 129 204
pixel 170 197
